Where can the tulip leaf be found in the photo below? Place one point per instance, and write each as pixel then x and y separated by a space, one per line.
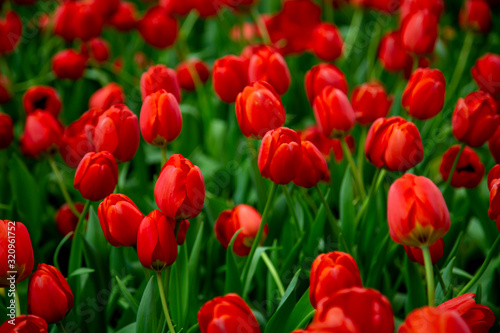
pixel 146 313
pixel 130 299
pixel 447 275
pixel 347 209
pixel 128 329
pixel 95 235
pixel 417 296
pixel 233 282
pixel 253 267
pixel 81 271
pixel 179 287
pixel 58 249
pixel 301 313
pixel 317 229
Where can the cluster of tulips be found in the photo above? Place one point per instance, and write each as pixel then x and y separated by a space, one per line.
pixel 97 148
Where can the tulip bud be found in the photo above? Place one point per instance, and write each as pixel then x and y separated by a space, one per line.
pixel 107 96
pixel 423 96
pixel 494 144
pixel 6 131
pixel 120 219
pixel 475 119
pixel 117 131
pixel 408 7
pixel 160 77
pixel 493 175
pixel 124 18
pixel 419 32
pixel 331 272
pixel 49 295
pixel 66 220
pixel 476 15
pixel 184 75
pixel 157 28
pixel 42 134
pixel 324 144
pixel 268 65
pixel 96 168
pixel 99 49
pixel 478 317
pixel 469 170
pixel 42 98
pixel 394 144
pixel 321 76
pixel 416 211
pixel 392 54
pixel 230 77
pixel 180 189
pixel 68 64
pixel 259 110
pixel 415 253
pixel 161 118
pixel 333 112
pixel 21 247
pixel 327 42
pixel 313 167
pixel 370 102
pixel 280 155
pixel 156 244
pixel 228 313
pixel 486 73
pixel 242 217
pixel 11 29
pixel 25 323
pixel 433 320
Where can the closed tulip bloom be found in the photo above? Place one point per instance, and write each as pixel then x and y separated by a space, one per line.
pixel 120 219
pixel 494 145
pixel 156 244
pixel 181 8
pixel 99 49
pixel 478 317
pixel 394 144
pixel 161 119
pixel 322 76
pixel 493 175
pixel 331 272
pixel 228 313
pixel 416 211
pixel 158 28
pixel 96 175
pixel 6 130
pixel 415 253
pixel 475 119
pixel 42 134
pixel 11 29
pixel 333 112
pixel 229 77
pixel 280 155
pixel 423 96
pixel 313 167
pixel 25 323
pixel 68 64
pixel 117 131
pixel 419 32
pixel 494 209
pixel 189 67
pixel 180 189
pixel 476 15
pixel 49 295
pixel 433 320
pixel 370 102
pixel 486 73
pixel 334 321
pixel 160 77
pixel 125 17
pixel 66 221
pixel 107 96
pixel 469 170
pixel 42 98
pixel 24 259
pixel 324 144
pixel 259 110
pixel 74 20
pixel 392 53
pixel 327 42
pixel 270 66
pixel 242 217
pixel 408 7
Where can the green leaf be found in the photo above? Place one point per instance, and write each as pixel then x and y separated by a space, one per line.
pixel 301 313
pixel 233 282
pixel 130 299
pixel 253 267
pixel 179 288
pixel 128 329
pixel 447 275
pixel 317 230
pixel 145 313
pixel 347 209
pixel 58 249
pixel 95 235
pixel 82 271
pixel 414 285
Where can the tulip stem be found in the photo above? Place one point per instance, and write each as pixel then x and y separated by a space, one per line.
pixel 164 157
pixel 482 269
pixel 274 273
pixel 18 305
pixel 259 184
pixel 64 191
pixel 352 35
pixel 361 149
pixel 461 62
pixel 440 278
pixel 261 26
pixel 164 301
pixel 61 326
pixel 355 171
pixel 429 275
pixel 377 179
pixel 289 201
pixel 453 167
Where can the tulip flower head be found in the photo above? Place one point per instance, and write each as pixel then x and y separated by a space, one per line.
pixel 24 259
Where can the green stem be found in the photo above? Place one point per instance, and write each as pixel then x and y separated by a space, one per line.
pixel 429 275
pixel 355 171
pixel 361 149
pixel 453 167
pixel 82 215
pixel 194 328
pixel 164 157
pixel 274 273
pixel 164 302
pixel 482 269
pixel 289 201
pixel 61 326
pixel 352 35
pixel 18 304
pixel 308 199
pixel 259 183
pixel 64 191
pixel 328 5
pixel 440 279
pixel 372 50
pixel 261 26
pixel 461 62
pixel 377 180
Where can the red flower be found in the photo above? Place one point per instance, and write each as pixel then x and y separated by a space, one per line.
pixel 186 68
pixel 230 77
pixel 423 96
pixel 415 253
pixel 469 170
pixel 96 168
pixel 416 211
pixel 78 20
pixel 478 317
pixel 486 73
pixel 408 7
pixel 107 96
pixel 24 259
pixel 333 112
pixel 68 64
pixel 494 174
pixel 207 8
pixel 494 145
pixel 494 210
pixel 419 32
pixel 229 313
pixel 158 28
pixel 327 42
pixel 6 131
pixel 25 323
pixel 99 49
pixel 160 77
pixel 42 98
pixel 433 320
pixel 322 76
pixel 370 102
pixel 476 15
pixel 313 167
pixel 392 54
pixel 66 221
pixel 125 17
pixel 42 134
pixel 11 29
pixel 266 64
pixel 181 8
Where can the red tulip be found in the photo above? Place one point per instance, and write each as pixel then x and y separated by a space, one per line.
pixel 42 134
pixel 229 313
pixel 486 73
pixel 240 5
pixel 494 144
pixel 6 131
pixel 419 32
pixel 280 155
pixel 181 8
pixel 68 64
pixel 433 320
pixel 331 272
pixel 99 49
pixel 334 321
pixel 494 174
pixel 189 67
pixel 125 17
pixel 259 110
pixel 242 217
pixel 416 211
pixel 324 144
pixel 475 119
pixel 408 7
pixel 66 221
pixel 476 15
pixel 161 119
pixel 25 323
pixel 120 220
pixel 327 42
pixel 158 28
pixel 42 98
pixel 415 253
pixel 478 317
pixel 96 168
pixel 105 8
pixel 370 102
pixel 469 170
pixel 77 20
pixel 230 77
pixel 49 295
pixel 313 167
pixel 156 244
pixel 207 8
pixel 11 29
pixel 23 262
pixel 107 96
pixel 423 96
pixel 322 76
pixel 180 189
pixel 268 65
pixel 117 131
pixel 333 112
pixel 494 209
pixel 160 77
pixel 392 54
pixel 5 95
pixel 394 143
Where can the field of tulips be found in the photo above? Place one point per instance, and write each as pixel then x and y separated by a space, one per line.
pixel 245 166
